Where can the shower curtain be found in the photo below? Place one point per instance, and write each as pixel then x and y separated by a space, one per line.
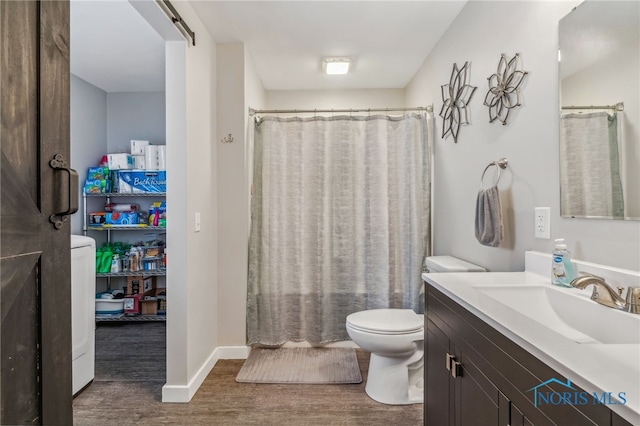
pixel 339 222
pixel 590 165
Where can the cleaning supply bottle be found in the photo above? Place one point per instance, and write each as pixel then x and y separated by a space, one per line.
pixel 562 270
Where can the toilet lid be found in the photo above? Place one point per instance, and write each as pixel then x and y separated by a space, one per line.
pixel 388 321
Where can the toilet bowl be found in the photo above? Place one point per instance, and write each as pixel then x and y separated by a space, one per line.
pixel 395 338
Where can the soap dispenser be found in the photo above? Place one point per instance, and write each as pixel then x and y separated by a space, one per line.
pixel 562 270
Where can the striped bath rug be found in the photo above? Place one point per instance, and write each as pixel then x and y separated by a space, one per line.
pixel 301 366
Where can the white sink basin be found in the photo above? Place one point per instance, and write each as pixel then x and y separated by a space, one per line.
pixel 569 312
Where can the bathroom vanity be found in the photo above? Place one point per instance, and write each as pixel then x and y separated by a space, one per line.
pixel 501 348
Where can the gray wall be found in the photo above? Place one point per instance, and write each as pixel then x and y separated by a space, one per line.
pixel 135 115
pixel 530 141
pixel 88 134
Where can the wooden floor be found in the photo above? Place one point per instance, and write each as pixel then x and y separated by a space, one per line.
pixel 130 373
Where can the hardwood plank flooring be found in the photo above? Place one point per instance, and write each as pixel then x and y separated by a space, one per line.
pixel 130 362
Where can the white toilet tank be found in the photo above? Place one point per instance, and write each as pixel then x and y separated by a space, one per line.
pixel 450 264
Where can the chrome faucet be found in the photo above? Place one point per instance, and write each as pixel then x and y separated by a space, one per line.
pixel 602 292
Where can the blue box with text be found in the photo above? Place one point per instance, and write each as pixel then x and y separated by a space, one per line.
pixel 132 181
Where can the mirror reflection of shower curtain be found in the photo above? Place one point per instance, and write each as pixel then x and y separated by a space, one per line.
pixel 339 222
pixel 590 165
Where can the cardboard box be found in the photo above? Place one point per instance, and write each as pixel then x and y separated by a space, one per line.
pixel 137 147
pixel 138 284
pixel 136 181
pixel 149 306
pixel 120 161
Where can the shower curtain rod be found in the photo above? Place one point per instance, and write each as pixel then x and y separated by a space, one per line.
pixel 252 111
pixel 617 107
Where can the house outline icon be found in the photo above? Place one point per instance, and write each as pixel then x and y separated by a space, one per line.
pixel 551 380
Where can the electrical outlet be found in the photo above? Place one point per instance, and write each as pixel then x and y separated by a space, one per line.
pixel 542 222
pixel 197 222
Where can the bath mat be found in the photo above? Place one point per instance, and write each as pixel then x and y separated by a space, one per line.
pixel 301 366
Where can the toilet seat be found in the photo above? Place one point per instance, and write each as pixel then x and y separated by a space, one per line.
pixel 386 321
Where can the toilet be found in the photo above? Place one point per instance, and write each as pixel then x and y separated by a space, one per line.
pixel 395 338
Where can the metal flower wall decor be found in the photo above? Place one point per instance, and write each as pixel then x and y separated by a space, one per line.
pixel 504 93
pixel 456 96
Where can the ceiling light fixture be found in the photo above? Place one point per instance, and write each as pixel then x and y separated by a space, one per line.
pixel 336 65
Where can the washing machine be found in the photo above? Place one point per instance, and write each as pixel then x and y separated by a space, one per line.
pixel 83 308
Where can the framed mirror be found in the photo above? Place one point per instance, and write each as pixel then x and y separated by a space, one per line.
pixel 599 74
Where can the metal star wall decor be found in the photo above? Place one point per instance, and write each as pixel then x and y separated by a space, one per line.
pixel 504 93
pixel 456 96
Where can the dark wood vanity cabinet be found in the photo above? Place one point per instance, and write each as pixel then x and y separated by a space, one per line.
pixel 450 388
pixel 474 375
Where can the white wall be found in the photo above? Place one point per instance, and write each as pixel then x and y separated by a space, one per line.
pixel 88 135
pixel 192 319
pixel 254 93
pixel 233 230
pixel 135 115
pixel 336 99
pixel 202 197
pixel 529 141
pixel 238 89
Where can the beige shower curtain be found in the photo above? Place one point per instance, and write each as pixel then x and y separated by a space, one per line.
pixel 340 222
pixel 590 165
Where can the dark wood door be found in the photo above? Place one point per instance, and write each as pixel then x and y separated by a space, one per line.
pixel 35 298
pixel 478 401
pixel 517 418
pixel 438 401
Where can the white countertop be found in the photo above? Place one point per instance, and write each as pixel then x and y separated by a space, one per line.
pixel 595 367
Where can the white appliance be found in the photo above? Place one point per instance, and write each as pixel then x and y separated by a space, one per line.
pixel 83 308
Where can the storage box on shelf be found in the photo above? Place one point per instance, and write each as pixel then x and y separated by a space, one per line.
pixel 149 306
pixel 141 296
pixel 141 181
pixel 132 304
pixel 151 265
pixel 138 284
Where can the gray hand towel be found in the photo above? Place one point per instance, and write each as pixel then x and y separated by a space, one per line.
pixel 489 217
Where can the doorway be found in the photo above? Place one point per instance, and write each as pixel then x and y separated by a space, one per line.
pixel 119 93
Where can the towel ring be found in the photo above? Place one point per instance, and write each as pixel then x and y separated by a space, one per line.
pixel 500 164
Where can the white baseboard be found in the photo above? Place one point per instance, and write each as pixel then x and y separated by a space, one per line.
pixel 184 393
